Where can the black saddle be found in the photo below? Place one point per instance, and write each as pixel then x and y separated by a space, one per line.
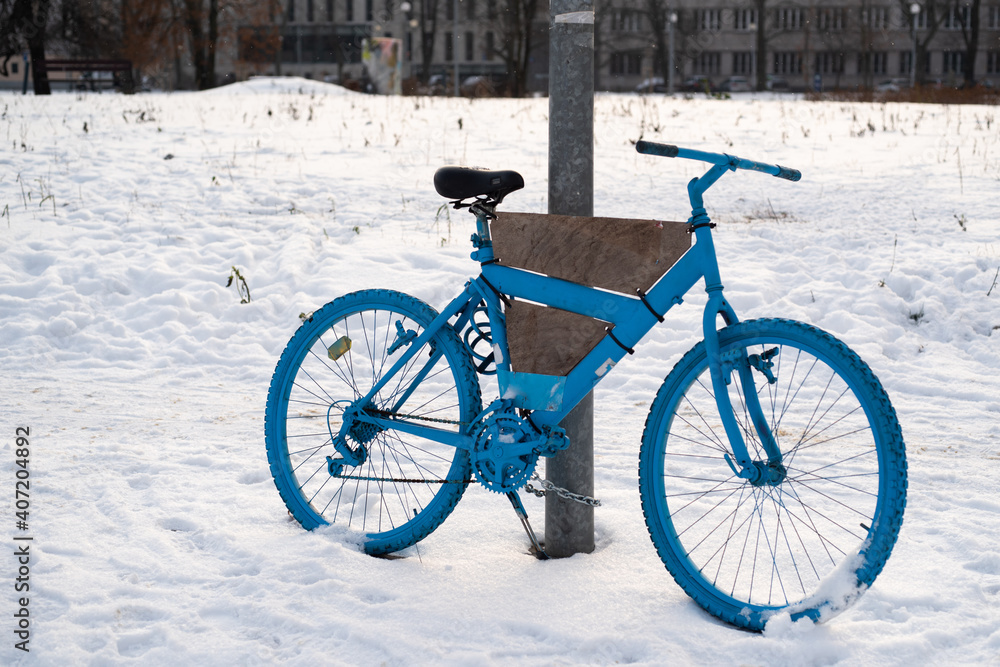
pixel 464 182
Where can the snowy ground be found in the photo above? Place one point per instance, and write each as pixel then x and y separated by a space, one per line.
pixel 158 535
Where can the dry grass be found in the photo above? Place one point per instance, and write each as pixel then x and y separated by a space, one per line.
pixel 920 94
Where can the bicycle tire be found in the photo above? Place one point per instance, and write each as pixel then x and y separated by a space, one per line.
pixel 809 545
pixel 408 485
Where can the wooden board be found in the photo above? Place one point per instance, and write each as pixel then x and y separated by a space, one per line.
pixel 610 253
pixel 549 341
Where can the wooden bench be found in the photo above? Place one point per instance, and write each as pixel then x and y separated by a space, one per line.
pixel 121 71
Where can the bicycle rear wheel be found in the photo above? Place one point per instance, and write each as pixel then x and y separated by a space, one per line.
pixel 408 484
pixel 808 543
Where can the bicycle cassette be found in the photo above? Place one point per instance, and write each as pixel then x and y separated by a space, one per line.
pixel 505 453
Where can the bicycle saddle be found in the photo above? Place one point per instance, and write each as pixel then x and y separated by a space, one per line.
pixel 464 182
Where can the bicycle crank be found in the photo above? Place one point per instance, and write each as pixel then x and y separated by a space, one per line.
pixel 506 452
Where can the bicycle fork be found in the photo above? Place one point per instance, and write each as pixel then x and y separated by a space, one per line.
pixel 722 366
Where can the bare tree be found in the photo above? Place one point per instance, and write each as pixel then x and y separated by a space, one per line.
pixel 202 25
pixel 970 34
pixel 933 13
pixel 760 48
pixel 515 23
pixel 658 14
pixel 428 32
pixel 23 27
pixel 82 29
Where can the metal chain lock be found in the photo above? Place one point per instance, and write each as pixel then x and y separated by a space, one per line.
pixel 549 487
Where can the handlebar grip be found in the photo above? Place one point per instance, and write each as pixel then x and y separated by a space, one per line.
pixel 788 173
pixel 650 148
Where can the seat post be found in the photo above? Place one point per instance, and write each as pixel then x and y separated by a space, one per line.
pixel 482 239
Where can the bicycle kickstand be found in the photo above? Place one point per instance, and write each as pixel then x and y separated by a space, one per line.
pixel 536 547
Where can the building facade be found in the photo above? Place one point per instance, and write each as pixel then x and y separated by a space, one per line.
pixel 804 45
pixel 324 39
pixel 800 44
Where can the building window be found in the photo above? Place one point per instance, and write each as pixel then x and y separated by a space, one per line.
pixel 350 11
pixel 470 53
pixel 956 17
pixel 291 11
pixel 743 62
pixel 470 9
pixel 993 62
pixel 993 17
pixel 449 46
pixel 953 62
pixel 873 62
pixel 449 10
pixel 709 19
pixel 788 18
pixel 626 64
pixel 829 62
pixel 329 11
pixel 491 9
pixel 310 11
pixel 745 19
pixel 831 19
pixel 369 10
pixel 13 68
pixel 905 62
pixel 787 62
pixel 876 18
pixel 490 47
pixel 626 20
pixel 709 62
pixel 921 20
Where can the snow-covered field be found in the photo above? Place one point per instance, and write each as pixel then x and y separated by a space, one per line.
pixel 158 536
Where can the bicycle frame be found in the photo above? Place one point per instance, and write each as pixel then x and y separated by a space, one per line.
pixel 550 398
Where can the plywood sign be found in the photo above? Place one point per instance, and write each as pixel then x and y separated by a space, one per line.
pixel 611 253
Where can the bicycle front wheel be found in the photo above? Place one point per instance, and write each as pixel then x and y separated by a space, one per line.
pixel 407 485
pixel 811 540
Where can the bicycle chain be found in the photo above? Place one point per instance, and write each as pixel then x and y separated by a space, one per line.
pixel 402 480
pixel 386 413
pixel 399 480
pixel 547 486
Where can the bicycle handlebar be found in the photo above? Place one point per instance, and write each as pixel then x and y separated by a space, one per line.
pixel 733 162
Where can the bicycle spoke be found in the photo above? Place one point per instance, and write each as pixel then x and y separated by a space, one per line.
pixel 742 546
pixel 396 494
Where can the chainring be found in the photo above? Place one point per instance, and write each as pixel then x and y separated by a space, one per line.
pixel 504 457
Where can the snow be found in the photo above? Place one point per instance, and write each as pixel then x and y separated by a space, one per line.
pixel 159 537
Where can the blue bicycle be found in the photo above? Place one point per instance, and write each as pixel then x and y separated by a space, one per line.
pixel 772 468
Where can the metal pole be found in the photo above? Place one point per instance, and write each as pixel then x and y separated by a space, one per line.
pixel 671 23
pixel 914 12
pixel 454 42
pixel 27 69
pixel 569 526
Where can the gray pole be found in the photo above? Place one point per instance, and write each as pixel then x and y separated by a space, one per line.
pixel 569 526
pixel 27 69
pixel 454 42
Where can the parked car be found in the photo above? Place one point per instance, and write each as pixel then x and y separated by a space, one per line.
pixel 698 84
pixel 478 86
pixel 653 85
pixel 437 84
pixel 736 84
pixel 776 83
pixel 892 85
